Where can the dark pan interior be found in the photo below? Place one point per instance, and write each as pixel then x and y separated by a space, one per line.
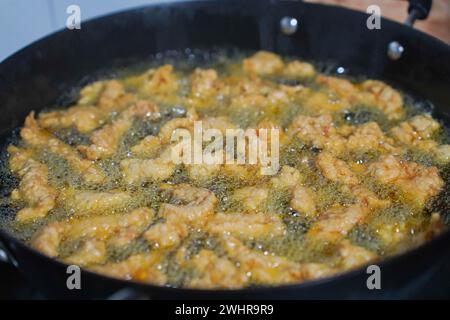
pixel 47 72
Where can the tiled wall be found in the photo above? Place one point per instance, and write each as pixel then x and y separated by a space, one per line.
pixel 23 21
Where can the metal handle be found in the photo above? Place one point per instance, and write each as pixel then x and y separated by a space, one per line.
pixel 418 10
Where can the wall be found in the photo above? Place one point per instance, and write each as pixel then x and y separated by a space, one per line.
pixel 24 21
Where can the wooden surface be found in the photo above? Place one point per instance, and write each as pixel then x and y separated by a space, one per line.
pixel 437 23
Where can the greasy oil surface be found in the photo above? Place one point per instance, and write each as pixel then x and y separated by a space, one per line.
pixel 294 246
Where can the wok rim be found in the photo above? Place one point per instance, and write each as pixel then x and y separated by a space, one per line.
pixel 6 237
pixel 168 3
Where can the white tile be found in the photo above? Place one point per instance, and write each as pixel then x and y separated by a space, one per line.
pixel 22 22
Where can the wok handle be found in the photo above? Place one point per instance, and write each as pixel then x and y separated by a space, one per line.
pixel 418 10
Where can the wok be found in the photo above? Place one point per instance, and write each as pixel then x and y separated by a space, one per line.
pixel 43 73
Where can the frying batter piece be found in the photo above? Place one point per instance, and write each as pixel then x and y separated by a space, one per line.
pixel 37 137
pixel 34 188
pixel 83 118
pixel 100 228
pixel 105 141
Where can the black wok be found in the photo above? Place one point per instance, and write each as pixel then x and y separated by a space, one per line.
pixel 42 74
